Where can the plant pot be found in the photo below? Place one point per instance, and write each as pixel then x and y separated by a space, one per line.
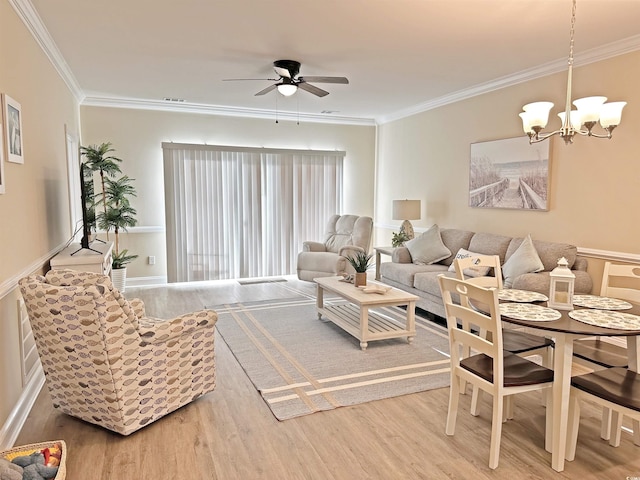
pixel 361 279
pixel 119 278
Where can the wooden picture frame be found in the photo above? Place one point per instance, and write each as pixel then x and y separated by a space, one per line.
pixel 510 174
pixel 13 129
pixel 2 179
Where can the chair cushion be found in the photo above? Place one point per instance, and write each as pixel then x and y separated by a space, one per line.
pixel 516 341
pixel 617 385
pixel 601 353
pixel 428 247
pixel 517 370
pixel 524 260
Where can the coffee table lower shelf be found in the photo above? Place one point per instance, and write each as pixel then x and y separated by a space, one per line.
pixel 367 325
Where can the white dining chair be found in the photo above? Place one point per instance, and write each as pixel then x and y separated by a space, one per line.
pixel 482 361
pixel 485 271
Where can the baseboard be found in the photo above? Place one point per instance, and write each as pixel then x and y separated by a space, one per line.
pixel 144 281
pixel 11 429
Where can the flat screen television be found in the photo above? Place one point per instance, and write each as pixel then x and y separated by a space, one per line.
pixel 87 192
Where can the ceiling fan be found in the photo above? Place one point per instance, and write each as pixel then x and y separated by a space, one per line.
pixel 289 81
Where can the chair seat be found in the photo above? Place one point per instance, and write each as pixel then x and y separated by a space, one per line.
pixel 517 370
pixel 616 385
pixel 516 341
pixel 605 354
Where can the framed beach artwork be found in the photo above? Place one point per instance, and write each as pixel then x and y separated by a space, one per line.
pixel 2 181
pixel 13 129
pixel 509 173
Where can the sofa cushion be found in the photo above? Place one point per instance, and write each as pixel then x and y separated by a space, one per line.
pixel 470 271
pixel 524 260
pixel 428 282
pixel 404 273
pixel 549 252
pixel 541 282
pixel 428 247
pixel 490 244
pixel 454 240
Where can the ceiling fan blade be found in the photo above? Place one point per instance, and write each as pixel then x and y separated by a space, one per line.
pixel 342 80
pixel 312 89
pixel 243 79
pixel 266 90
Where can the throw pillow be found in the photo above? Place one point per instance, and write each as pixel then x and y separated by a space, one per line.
pixel 428 248
pixel 471 271
pixel 524 260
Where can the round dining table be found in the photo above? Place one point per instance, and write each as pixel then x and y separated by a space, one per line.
pixel 564 331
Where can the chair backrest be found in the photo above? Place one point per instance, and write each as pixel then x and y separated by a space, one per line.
pixel 85 340
pixel 621 281
pixel 461 318
pixel 343 230
pixel 479 263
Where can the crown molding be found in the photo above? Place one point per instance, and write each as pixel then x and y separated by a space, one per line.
pixel 33 22
pixel 167 106
pixel 609 50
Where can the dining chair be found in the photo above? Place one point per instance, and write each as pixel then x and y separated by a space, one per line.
pixel 598 353
pixel 472 269
pixel 482 361
pixel 616 389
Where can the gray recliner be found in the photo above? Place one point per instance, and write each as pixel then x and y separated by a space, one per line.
pixel 344 235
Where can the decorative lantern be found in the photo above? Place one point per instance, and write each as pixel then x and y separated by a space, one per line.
pixel 561 290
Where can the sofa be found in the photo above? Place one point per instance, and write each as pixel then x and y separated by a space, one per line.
pixel 421 278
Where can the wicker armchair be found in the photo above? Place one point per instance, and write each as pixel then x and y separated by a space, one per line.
pixel 105 362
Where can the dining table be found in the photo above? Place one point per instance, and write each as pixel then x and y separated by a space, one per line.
pixel 565 330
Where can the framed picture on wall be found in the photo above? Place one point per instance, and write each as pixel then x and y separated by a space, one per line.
pixel 13 129
pixel 509 173
pixel 2 181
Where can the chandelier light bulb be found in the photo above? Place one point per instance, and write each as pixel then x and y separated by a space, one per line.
pixel 611 114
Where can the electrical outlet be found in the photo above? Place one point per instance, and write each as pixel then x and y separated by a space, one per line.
pixel 151 260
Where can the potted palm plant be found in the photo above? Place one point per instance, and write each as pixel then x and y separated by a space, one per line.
pixel 99 159
pixel 118 215
pixel 360 261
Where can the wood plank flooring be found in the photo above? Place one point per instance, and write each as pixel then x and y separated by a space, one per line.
pixel 231 433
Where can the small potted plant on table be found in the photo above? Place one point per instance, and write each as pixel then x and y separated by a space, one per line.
pixel 360 261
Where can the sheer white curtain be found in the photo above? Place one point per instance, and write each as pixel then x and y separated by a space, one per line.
pixel 237 212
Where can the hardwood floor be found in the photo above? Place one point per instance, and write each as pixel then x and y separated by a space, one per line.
pixel 231 433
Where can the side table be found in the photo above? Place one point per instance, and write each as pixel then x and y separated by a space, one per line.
pixel 381 251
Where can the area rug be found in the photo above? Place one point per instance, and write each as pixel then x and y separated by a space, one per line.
pixel 301 365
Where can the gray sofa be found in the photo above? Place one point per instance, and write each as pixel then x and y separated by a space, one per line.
pixel 422 280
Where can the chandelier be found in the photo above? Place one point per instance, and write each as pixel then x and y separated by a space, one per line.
pixel 590 110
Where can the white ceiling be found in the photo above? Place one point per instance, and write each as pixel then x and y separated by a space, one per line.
pixel 399 55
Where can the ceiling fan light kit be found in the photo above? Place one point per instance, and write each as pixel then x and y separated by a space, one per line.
pixel 590 110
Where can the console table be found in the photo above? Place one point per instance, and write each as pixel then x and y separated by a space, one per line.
pixel 97 259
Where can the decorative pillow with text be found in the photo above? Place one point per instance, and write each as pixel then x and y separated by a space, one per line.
pixel 470 271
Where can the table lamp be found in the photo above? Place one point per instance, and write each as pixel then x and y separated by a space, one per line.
pixel 406 210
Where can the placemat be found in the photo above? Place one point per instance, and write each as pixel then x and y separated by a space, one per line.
pixel 526 311
pixel 515 295
pixel 607 319
pixel 601 303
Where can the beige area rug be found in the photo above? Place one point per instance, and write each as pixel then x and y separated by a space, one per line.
pixel 301 365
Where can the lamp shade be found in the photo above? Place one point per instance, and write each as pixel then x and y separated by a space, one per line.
pixel 406 209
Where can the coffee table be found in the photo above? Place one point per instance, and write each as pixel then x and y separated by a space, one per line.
pixel 357 317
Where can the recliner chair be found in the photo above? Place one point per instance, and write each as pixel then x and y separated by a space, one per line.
pixel 105 362
pixel 344 235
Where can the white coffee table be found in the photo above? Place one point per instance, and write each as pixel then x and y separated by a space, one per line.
pixel 357 318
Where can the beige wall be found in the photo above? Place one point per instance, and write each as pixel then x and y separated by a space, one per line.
pixel 35 208
pixel 593 185
pixel 137 136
